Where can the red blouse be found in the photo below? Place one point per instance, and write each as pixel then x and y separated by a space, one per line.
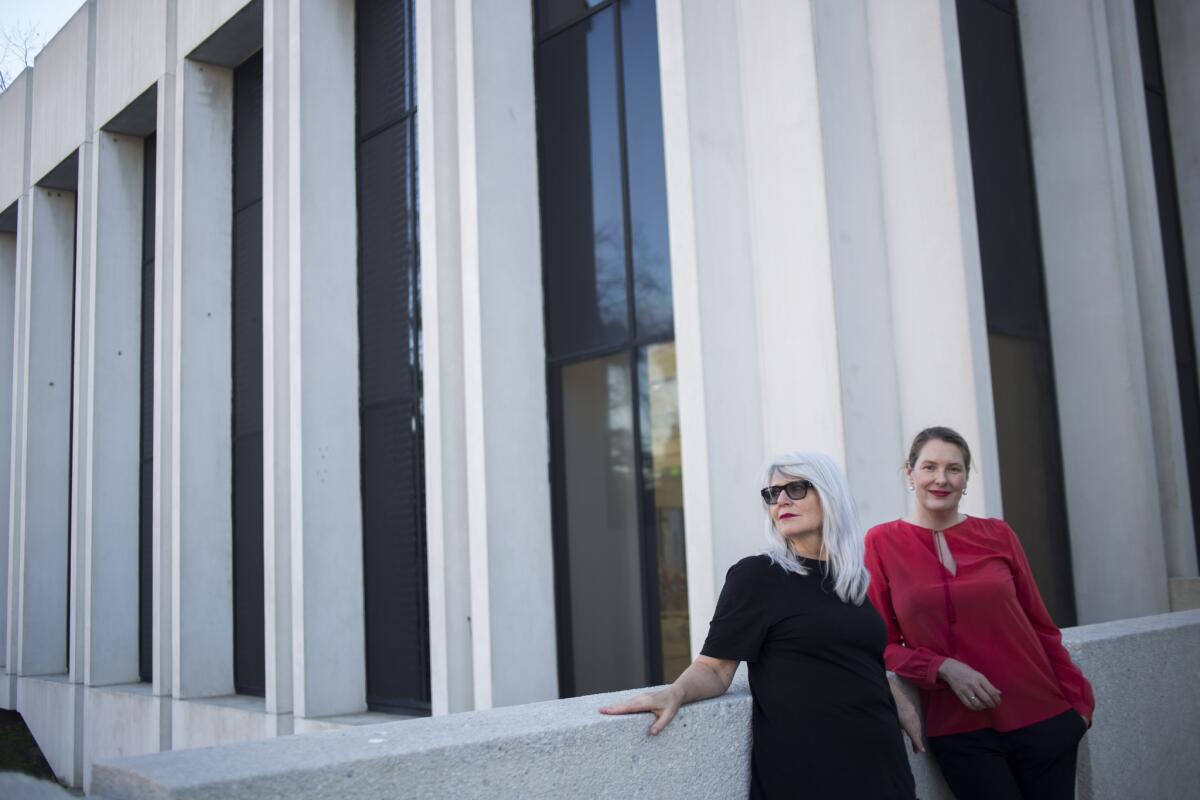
pixel 988 615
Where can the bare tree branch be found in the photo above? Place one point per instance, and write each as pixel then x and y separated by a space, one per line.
pixel 19 43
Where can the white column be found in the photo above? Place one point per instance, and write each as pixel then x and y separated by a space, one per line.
pixel 198 366
pixel 1096 201
pixel 512 574
pixel 1178 32
pixel 277 362
pixel 789 232
pixel 714 293
pixel 874 436
pixel 310 320
pixel 44 419
pixel 109 420
pixel 446 523
pixel 1162 381
pixel 939 325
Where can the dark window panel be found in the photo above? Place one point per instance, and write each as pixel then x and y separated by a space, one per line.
pixel 384 48
pixel 600 505
pixel 146 431
pixel 249 656
pixel 394 576
pixel 394 558
pixel 1001 161
pixel 387 250
pixel 249 607
pixel 579 160
pixel 248 132
pixel 553 13
pixel 247 321
pixel 1024 395
pixel 649 247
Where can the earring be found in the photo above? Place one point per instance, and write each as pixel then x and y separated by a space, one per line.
pixel 964 492
pixel 912 488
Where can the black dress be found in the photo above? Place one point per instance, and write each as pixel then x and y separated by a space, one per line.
pixel 824 720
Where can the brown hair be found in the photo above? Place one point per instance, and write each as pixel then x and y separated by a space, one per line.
pixel 941 434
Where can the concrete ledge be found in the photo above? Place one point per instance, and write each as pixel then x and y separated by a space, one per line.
pixel 1146 727
pixel 120 721
pixel 52 708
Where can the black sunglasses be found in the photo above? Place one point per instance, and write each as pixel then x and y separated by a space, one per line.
pixel 797 490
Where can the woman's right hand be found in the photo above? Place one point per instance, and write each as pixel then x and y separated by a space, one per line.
pixel 663 704
pixel 972 688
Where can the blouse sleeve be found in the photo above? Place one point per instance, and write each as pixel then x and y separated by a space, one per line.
pixel 739 625
pixel 1070 678
pixel 918 664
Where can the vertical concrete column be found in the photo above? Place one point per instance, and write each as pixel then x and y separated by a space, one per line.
pixel 109 418
pixel 939 326
pixel 874 433
pixel 44 440
pixel 446 519
pixel 1091 168
pixel 81 381
pixel 1162 380
pixel 197 419
pixel 1178 32
pixel 19 91
pixel 310 319
pixel 789 229
pixel 512 573
pixel 714 292
pixel 277 363
pixel 164 446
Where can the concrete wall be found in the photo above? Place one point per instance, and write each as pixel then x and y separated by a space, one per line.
pixel 197 21
pixel 52 708
pixel 129 50
pixel 14 121
pixel 60 75
pixel 1142 744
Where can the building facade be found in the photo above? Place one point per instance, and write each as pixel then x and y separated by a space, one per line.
pixel 399 358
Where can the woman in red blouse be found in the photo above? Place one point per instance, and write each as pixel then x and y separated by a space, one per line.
pixel 1005 707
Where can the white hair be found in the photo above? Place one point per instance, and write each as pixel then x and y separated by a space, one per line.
pixel 842 536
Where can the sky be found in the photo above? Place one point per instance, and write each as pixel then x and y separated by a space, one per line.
pixel 45 16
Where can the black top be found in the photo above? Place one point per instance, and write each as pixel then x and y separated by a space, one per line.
pixel 824 723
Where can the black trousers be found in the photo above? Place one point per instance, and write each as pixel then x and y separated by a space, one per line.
pixel 1032 763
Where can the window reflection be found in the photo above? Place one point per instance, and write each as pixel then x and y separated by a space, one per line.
pixel 647 174
pixel 663 476
pixel 602 531
pixel 583 227
pixel 619 532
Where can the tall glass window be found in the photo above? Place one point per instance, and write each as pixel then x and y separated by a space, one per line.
pixel 1006 212
pixel 146 444
pixel 1171 228
pixel 249 599
pixel 621 581
pixel 389 319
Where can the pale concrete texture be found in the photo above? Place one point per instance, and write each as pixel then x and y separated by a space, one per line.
pixel 53 711
pixel 197 21
pixel 16 786
pixel 1142 744
pixel 129 51
pixel 120 721
pixel 223 720
pixel 1143 739
pixel 61 75
pixel 13 125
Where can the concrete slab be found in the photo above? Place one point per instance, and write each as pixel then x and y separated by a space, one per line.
pixel 52 709
pixel 60 79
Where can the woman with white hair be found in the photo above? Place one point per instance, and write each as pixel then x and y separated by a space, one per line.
pixel 825 719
